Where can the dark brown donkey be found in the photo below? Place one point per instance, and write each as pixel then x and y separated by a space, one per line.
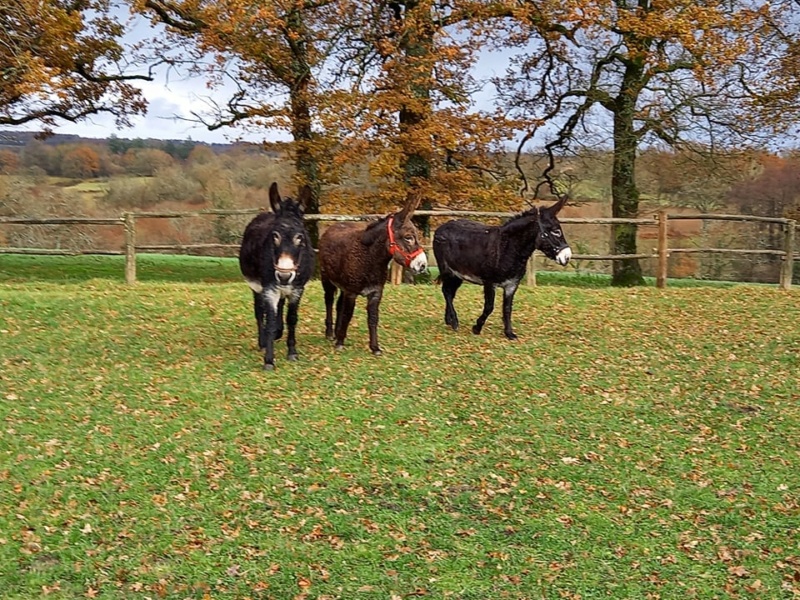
pixel 354 258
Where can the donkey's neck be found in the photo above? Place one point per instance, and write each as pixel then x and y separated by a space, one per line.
pixel 519 234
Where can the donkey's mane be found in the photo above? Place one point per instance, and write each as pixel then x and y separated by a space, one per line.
pixel 373 224
pixel 531 212
pixel 290 208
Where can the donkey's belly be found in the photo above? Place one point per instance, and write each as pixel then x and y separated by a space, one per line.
pixel 468 277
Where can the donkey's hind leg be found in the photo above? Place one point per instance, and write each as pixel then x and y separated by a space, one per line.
pixel 488 307
pixel 330 293
pixel 345 307
pixel 450 286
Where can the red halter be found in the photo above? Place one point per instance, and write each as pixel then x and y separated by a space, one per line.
pixel 395 248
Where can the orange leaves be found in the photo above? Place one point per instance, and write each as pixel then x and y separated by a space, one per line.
pixel 53 53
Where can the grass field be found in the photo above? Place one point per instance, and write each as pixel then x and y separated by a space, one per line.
pixel 634 443
pixel 194 269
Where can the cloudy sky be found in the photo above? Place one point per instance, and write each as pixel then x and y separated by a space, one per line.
pixel 172 98
pixel 169 104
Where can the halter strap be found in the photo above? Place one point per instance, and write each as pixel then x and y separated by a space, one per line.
pixel 394 247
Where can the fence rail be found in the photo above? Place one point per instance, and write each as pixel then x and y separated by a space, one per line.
pixel 660 220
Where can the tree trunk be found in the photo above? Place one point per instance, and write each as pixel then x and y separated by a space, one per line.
pixel 306 163
pixel 624 193
pixel 416 45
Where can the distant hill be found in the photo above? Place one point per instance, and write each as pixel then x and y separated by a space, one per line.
pixel 19 139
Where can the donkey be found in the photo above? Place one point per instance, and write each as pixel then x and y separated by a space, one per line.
pixel 277 260
pixel 495 256
pixel 354 258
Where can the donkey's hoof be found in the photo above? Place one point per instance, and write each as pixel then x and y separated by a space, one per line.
pixel 376 352
pixel 339 347
pixel 511 335
pixel 476 330
pixel 269 367
pixel 292 357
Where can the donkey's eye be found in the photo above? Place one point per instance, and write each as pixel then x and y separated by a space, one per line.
pixel 298 240
pixel 276 238
pixel 556 233
pixel 410 239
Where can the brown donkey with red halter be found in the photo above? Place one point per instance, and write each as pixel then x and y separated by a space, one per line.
pixel 354 258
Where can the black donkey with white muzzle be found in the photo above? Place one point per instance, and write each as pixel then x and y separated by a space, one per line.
pixel 495 256
pixel 277 260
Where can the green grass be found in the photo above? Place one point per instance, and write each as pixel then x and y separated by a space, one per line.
pixel 176 268
pixel 149 267
pixel 632 444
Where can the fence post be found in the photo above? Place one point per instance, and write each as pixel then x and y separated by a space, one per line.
pixel 787 268
pixel 530 271
pixel 663 251
pixel 130 248
pixel 395 274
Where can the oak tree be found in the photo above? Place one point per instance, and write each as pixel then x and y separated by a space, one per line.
pixel 63 60
pixel 645 72
pixel 272 54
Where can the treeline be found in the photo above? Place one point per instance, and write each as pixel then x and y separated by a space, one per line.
pixel 87 160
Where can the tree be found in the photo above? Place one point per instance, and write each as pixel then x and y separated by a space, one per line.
pixel 80 162
pixel 774 191
pixel 670 72
pixel 40 155
pixel 63 60
pixel 384 82
pixel 417 119
pixel 274 54
pixel 9 162
pixel 146 162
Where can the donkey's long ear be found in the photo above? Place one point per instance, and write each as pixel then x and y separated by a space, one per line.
pixel 413 199
pixel 274 197
pixel 304 198
pixel 553 210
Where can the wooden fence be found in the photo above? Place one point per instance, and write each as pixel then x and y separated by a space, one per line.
pixel 660 220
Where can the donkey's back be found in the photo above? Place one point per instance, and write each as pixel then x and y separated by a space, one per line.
pixel 467 249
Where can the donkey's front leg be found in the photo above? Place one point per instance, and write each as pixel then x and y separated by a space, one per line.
pixel 373 309
pixel 279 330
pixel 258 308
pixel 488 307
pixel 270 326
pixel 291 323
pixel 508 303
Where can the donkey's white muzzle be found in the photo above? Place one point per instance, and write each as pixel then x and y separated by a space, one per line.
pixel 419 264
pixel 563 256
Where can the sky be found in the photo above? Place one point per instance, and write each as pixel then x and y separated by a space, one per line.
pixel 167 102
pixel 172 99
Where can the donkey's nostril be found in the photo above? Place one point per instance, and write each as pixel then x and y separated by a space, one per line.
pixel 284 277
